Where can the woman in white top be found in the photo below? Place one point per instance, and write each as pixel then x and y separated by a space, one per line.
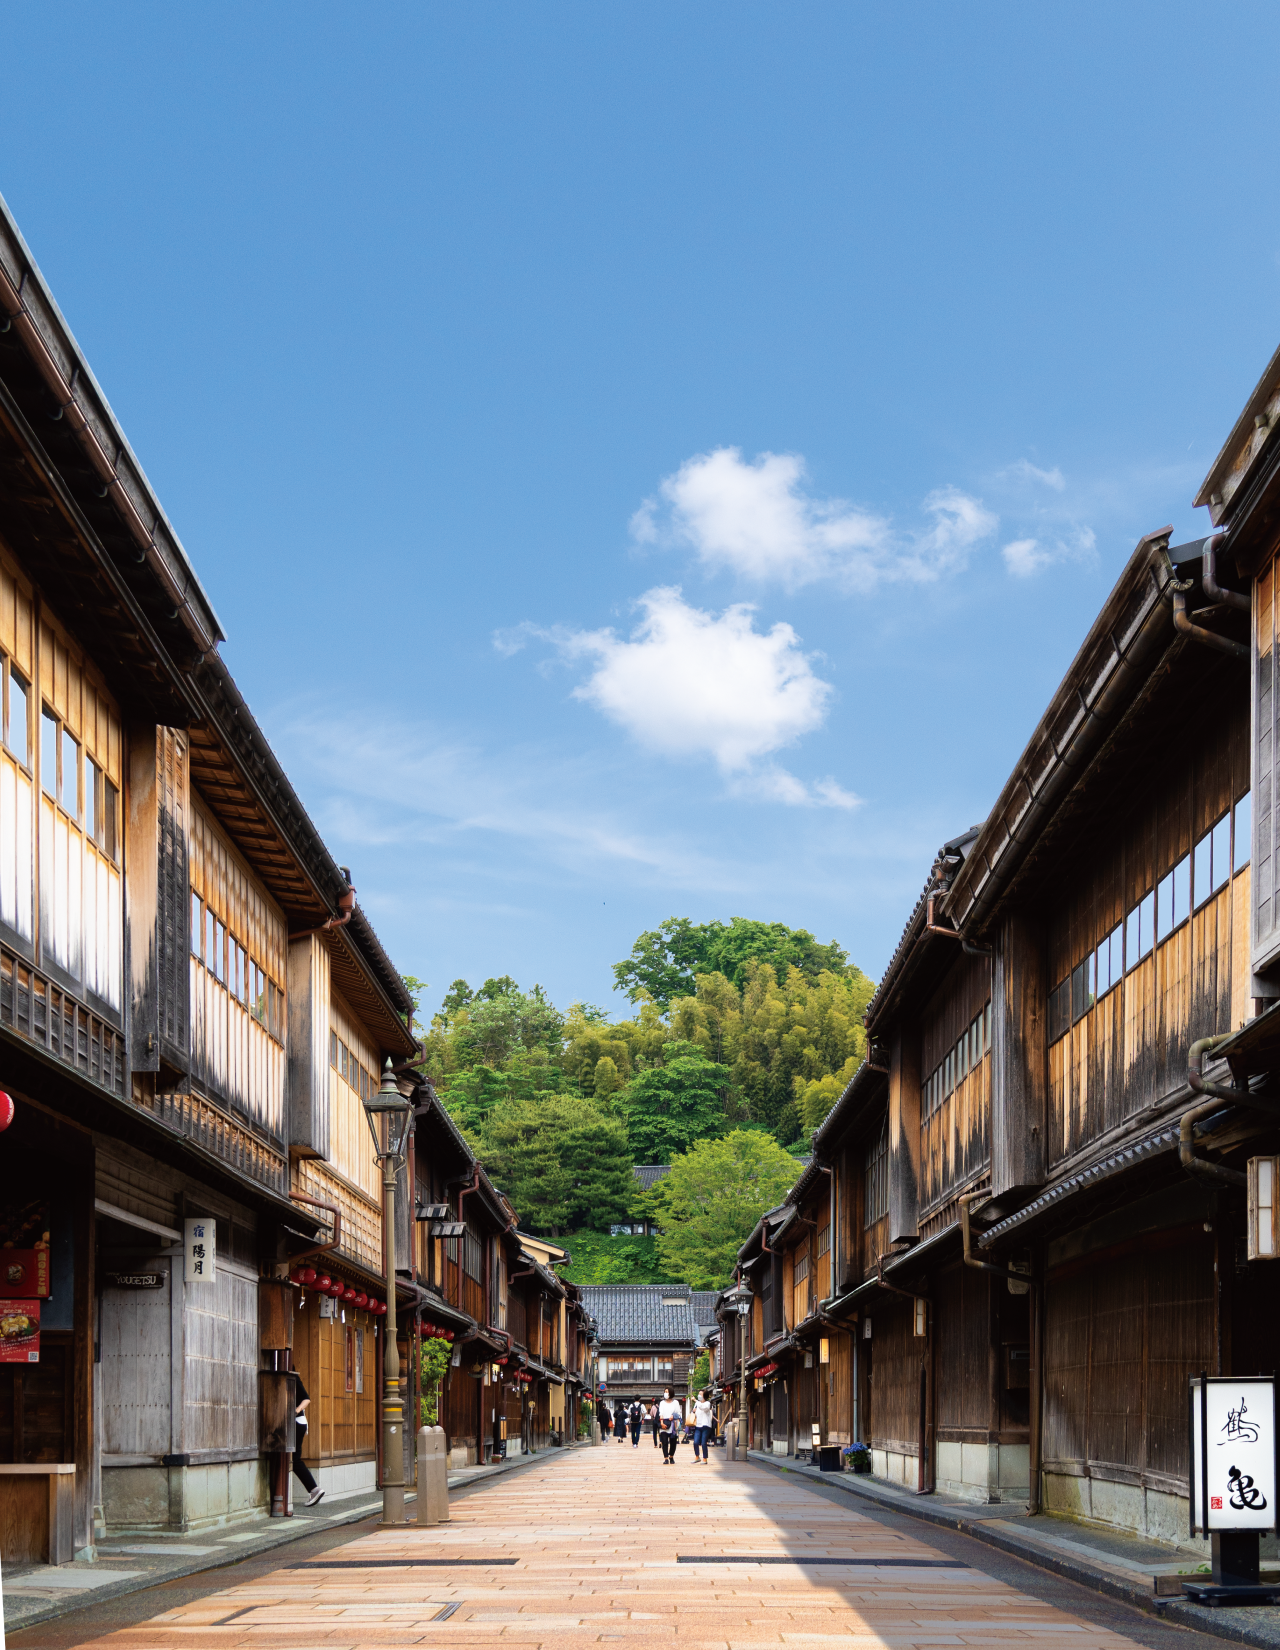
pixel 701 1428
pixel 669 1419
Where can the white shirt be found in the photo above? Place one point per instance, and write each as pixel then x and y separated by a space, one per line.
pixel 702 1414
pixel 669 1409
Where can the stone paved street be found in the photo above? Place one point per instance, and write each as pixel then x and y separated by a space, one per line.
pixel 605 1545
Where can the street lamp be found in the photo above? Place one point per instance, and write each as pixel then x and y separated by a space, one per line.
pixel 738 1299
pixel 390 1104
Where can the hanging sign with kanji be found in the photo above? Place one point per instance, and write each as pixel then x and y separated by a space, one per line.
pixel 201 1238
pixel 1233 1453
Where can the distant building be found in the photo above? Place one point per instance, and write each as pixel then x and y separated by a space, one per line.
pixel 647 1176
pixel 646 1334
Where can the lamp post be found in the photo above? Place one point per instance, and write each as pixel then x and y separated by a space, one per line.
pixel 738 1299
pixel 390 1104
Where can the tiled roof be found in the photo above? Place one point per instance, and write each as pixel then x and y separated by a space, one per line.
pixel 633 1314
pixel 704 1306
pixel 648 1174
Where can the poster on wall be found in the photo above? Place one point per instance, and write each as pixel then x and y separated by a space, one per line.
pixel 24 1249
pixel 19 1331
pixel 1233 1453
pixel 359 1361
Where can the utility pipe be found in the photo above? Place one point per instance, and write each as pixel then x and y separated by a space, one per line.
pixel 319 1248
pixel 970 1259
pixel 1217 1173
pixel 1183 624
pixel 1260 1099
pixel 967 946
pixel 1209 578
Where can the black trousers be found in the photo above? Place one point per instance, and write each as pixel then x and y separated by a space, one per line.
pixel 635 1434
pixel 301 1471
pixel 654 1425
pixel 668 1446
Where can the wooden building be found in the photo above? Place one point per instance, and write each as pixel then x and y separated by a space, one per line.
pixel 191 1004
pixel 645 1338
pixel 1061 1054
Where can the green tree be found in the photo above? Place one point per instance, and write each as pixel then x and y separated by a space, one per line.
pixel 669 1107
pixel 562 1161
pixel 665 961
pixel 709 1203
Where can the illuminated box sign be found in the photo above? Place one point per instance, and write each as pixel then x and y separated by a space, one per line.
pixel 24 1272
pixel 200 1262
pixel 1233 1454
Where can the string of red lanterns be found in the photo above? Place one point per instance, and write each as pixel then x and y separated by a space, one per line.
pixel 307 1277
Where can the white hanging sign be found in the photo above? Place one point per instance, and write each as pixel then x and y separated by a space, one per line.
pixel 1233 1453
pixel 200 1260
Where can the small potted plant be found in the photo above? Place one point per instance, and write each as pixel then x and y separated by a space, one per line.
pixel 857 1457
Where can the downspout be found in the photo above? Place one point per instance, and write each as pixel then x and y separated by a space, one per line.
pixel 970 1259
pixel 1216 1173
pixel 1209 578
pixel 969 949
pixel 346 905
pixel 1177 588
pixel 330 1208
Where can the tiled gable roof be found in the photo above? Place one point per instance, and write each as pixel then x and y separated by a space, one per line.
pixel 634 1314
pixel 648 1174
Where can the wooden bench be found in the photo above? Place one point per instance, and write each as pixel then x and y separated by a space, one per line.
pixel 37 1512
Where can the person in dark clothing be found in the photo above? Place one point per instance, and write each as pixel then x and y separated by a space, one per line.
pixel 653 1422
pixel 635 1417
pixel 605 1417
pixel 620 1421
pixel 301 1470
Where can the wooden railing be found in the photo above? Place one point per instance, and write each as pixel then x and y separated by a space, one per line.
pixel 54 1020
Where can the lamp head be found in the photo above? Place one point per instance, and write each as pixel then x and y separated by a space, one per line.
pixel 388 1102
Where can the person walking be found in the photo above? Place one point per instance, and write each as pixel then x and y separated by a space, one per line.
pixel 669 1420
pixel 605 1417
pixel 652 1421
pixel 635 1418
pixel 620 1421
pixel 702 1428
pixel 300 1467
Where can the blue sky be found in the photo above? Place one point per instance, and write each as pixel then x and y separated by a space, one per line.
pixel 654 460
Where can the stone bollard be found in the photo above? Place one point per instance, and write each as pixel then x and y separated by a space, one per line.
pixel 426 1512
pixel 438 1480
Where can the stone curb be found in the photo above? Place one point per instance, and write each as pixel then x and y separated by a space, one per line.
pixel 1221 1623
pixel 269 1541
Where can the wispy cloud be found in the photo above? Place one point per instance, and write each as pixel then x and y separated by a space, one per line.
pixel 1051 516
pixel 758 519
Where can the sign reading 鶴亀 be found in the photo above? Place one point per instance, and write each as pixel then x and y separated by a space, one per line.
pixel 1233 1454
pixel 201 1258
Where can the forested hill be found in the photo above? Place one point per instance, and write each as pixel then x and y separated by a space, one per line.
pixel 737 1029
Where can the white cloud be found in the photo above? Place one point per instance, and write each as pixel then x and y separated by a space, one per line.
pixel 689 683
pixel 1024 470
pixel 757 520
pixel 1026 557
pixel 774 784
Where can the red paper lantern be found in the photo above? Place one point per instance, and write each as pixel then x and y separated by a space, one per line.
pixel 337 1289
pixel 7 1109
pixel 448 1334
pixel 322 1283
pixel 308 1274
pixel 362 1299
pixel 295 1277
pixel 349 1293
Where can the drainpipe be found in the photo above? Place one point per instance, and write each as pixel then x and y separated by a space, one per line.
pixel 320 1248
pixel 1177 588
pixel 1209 578
pixel 1216 1173
pixel 970 1259
pixel 969 949
pixel 346 905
